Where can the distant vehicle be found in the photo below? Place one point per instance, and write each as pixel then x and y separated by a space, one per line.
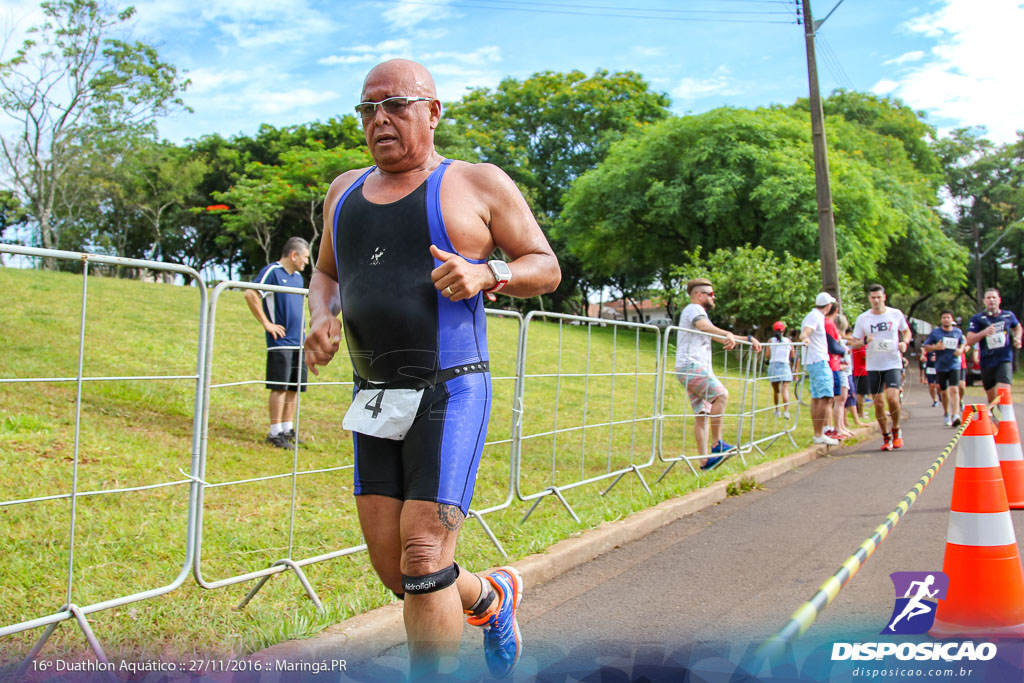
pixel 661 322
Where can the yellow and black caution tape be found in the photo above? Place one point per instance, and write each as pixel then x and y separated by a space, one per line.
pixel 805 615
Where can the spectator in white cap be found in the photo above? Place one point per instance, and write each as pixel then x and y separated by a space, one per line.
pixel 816 363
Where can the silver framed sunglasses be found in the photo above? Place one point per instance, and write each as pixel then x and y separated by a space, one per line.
pixel 392 105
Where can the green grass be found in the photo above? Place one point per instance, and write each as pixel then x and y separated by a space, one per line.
pixel 136 433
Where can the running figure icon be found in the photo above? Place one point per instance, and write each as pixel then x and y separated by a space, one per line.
pixel 915 607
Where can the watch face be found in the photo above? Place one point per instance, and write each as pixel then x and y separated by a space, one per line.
pixel 500 269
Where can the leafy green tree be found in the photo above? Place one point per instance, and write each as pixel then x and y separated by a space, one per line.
pixel 986 185
pixel 545 132
pixel 754 287
pixel 272 200
pixel 733 176
pixel 75 79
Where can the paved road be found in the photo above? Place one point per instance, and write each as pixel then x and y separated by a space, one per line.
pixel 731 575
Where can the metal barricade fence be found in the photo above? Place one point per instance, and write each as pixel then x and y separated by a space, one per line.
pixel 580 410
pixel 688 389
pixel 494 481
pixel 90 484
pixel 772 414
pixel 555 386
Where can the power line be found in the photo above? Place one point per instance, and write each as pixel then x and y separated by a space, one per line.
pixel 835 67
pixel 606 14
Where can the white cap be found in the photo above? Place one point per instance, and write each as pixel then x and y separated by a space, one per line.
pixel 823 299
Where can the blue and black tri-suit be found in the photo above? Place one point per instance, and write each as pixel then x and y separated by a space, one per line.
pixel 402 333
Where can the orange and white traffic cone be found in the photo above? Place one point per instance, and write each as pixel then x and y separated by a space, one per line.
pixel 986 581
pixel 1011 457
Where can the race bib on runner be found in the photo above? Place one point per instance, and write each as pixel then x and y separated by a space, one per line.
pixel 384 413
pixel 997 340
pixel 929 371
pixel 883 345
pixel 951 343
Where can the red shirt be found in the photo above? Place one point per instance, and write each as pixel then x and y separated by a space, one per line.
pixel 831 330
pixel 860 356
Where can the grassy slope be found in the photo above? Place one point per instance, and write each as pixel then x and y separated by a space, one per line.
pixel 139 432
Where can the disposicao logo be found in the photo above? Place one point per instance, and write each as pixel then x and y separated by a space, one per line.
pixel 914 612
pixel 917 594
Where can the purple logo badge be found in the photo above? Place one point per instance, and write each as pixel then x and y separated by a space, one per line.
pixel 917 594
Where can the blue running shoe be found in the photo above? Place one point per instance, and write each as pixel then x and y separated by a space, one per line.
pixel 721 447
pixel 712 461
pixel 502 641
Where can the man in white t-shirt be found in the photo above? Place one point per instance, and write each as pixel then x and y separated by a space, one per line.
pixel 812 332
pixel 695 371
pixel 886 334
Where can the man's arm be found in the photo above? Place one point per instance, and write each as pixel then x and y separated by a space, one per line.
pixel 704 325
pixel 1018 333
pixel 252 297
pixel 513 228
pixel 975 336
pixel 806 333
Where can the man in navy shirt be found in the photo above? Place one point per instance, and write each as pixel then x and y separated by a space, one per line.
pixel 994 330
pixel 947 343
pixel 281 316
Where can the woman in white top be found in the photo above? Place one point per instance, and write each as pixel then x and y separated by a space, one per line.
pixel 780 371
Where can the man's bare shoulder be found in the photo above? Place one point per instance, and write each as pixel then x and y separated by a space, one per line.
pixel 345 180
pixel 482 175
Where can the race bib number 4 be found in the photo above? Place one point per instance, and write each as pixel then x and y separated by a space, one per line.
pixel 929 371
pixel 997 340
pixel 950 343
pixel 883 345
pixel 384 413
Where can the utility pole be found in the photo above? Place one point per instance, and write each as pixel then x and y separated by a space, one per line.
pixel 826 221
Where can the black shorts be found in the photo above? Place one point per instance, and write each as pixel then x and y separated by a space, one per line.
pixel 283 370
pixel 438 458
pixel 996 374
pixel 948 378
pixel 933 377
pixel 862 385
pixel 880 380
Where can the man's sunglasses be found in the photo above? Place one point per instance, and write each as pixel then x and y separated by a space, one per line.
pixel 394 106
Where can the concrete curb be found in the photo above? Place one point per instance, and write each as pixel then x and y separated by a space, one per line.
pixel 383 627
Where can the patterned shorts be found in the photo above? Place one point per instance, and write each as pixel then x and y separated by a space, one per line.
pixel 701 385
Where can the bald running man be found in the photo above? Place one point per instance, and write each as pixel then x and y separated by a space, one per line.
pixel 404 260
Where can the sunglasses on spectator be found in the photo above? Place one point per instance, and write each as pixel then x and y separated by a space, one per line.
pixel 394 106
pixel 709 292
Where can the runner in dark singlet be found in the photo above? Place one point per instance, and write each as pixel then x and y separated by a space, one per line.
pixel 404 259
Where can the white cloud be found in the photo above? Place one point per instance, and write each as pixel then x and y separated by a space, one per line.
pixel 387 49
pixel 884 87
pixel 696 88
pixel 914 56
pixel 408 13
pixel 972 75
pixel 251 23
pixel 484 55
pixel 645 51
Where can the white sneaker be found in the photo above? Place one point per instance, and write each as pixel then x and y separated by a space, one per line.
pixel 786 415
pixel 776 412
pixel 827 440
pixel 947 421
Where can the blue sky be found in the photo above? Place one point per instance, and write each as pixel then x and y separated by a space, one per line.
pixel 282 63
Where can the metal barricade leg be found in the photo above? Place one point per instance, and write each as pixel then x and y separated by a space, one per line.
pixel 302 579
pixel 83 623
pixel 490 534
pixel 554 491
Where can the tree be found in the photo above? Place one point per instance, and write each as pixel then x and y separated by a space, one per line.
pixel 271 200
pixel 755 287
pixel 733 176
pixel 73 81
pixel 986 185
pixel 545 132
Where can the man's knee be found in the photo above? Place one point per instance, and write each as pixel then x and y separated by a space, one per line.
pixel 421 554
